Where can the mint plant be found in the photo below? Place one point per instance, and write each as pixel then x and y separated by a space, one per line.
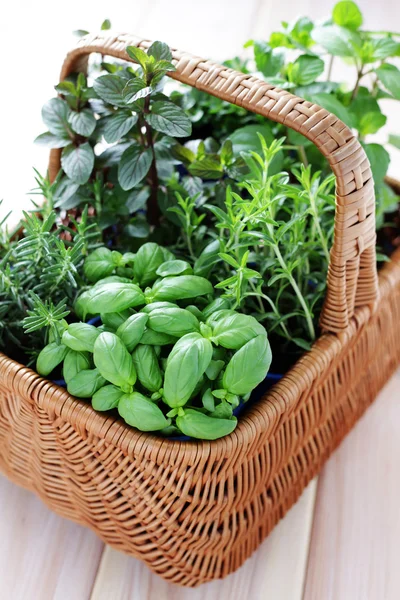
pixel 301 57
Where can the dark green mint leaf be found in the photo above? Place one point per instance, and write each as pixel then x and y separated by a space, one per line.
pixel 83 122
pixel 55 116
pixel 52 141
pixel 170 119
pixel 78 162
pixel 119 125
pixel 134 166
pixel 110 89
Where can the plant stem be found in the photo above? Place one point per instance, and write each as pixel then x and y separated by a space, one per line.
pixel 302 155
pixel 318 227
pixel 295 287
pixel 152 204
pixel 330 65
pixel 360 75
pixel 386 33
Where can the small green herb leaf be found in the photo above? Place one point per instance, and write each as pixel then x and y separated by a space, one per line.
pixel 389 75
pixel 118 125
pixel 140 412
pixel 170 119
pixel 347 14
pixel 113 360
pixel 78 162
pixel 134 166
pixel 55 116
pixel 107 398
pixel 83 122
pixel 110 89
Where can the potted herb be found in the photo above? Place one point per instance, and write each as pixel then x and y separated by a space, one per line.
pixel 180 235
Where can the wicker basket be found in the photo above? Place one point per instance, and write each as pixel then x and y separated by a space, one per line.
pixel 194 511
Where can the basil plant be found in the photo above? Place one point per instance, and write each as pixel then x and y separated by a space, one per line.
pixel 162 350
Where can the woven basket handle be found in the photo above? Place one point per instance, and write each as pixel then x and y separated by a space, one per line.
pixel 352 275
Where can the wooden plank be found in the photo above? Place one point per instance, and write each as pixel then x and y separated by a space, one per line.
pixel 354 545
pixel 42 556
pixel 264 575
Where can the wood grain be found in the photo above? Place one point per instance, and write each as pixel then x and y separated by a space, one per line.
pixel 354 550
pixel 43 557
pixel 265 575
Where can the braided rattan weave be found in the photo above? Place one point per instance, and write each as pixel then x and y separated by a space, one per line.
pixel 194 511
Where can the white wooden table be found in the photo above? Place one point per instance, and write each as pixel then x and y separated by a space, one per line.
pixel 340 541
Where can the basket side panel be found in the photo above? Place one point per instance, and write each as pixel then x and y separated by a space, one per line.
pixel 194 516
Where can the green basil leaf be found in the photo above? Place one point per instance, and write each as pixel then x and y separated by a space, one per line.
pixel 214 306
pixel 114 320
pixel 50 357
pixel 338 41
pixel 389 75
pixel 52 141
pixel 107 398
pixel 196 312
pixel 118 125
pixel 83 122
pixel 55 116
pixel 347 14
pixel 208 400
pixel 78 162
pixel 222 411
pixel 379 159
pixel 148 258
pixel 85 383
pixel 99 264
pixel 160 51
pixel 75 362
pixel 234 330
pixel 174 267
pixel 140 412
pixel 174 321
pixel 113 360
pixel 155 338
pixel 214 369
pixel 80 337
pixel 132 330
pixel 110 89
pixel 170 119
pixel 306 69
pixel 200 426
pixel 134 166
pixel 207 259
pixel 147 367
pixel 181 287
pixel 113 297
pixel 186 363
pixel 217 315
pixel 157 305
pixel 248 366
